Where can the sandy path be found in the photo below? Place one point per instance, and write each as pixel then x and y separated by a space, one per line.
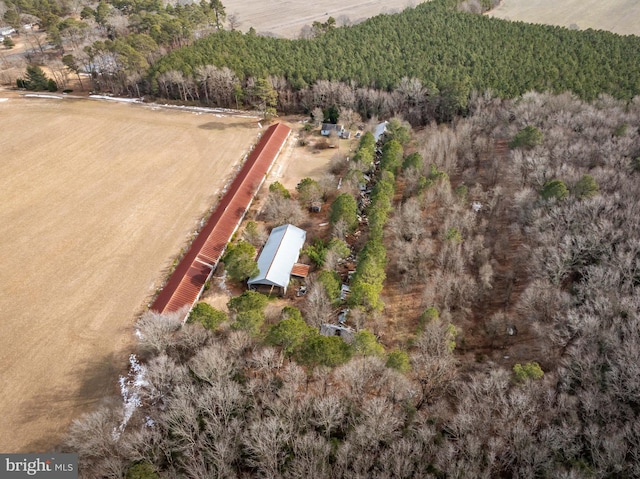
pixel 95 200
pixel 285 18
pixel 619 16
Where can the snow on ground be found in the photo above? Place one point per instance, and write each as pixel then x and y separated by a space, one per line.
pixel 43 95
pixel 116 98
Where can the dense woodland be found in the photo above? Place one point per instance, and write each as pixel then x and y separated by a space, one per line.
pixel 450 52
pixel 553 253
pixel 426 59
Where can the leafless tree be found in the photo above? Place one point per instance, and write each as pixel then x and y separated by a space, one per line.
pixel 318 308
pixel 155 330
pixel 278 209
pixel 93 437
pixel 233 20
pixel 267 442
pixel 256 234
pixel 306 33
pixel 329 412
pixel 311 457
pixel 318 116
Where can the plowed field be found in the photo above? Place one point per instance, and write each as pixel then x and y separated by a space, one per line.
pixel 96 199
pixel 618 16
pixel 285 18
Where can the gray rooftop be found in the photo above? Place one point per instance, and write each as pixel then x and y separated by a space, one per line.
pixel 379 130
pixel 278 256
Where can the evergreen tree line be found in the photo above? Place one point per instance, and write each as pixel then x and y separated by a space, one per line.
pixel 431 57
pixel 423 62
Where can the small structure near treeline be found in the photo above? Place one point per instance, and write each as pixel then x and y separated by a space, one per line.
pixel 328 128
pixel 344 332
pixel 278 260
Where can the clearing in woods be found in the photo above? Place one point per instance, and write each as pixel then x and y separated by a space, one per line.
pixel 96 199
pixel 618 16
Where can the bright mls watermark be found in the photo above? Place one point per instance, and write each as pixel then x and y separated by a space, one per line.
pixel 47 466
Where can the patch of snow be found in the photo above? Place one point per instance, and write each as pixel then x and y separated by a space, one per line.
pixel 222 284
pixel 130 390
pixel 222 111
pixel 3 99
pixel 42 95
pixel 115 98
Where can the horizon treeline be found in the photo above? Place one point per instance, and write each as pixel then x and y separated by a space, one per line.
pixel 451 53
pixel 424 62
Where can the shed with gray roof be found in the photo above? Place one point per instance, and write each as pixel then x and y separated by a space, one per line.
pixel 278 257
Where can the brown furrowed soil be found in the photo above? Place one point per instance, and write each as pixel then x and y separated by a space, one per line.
pixel 96 199
pixel 618 16
pixel 285 18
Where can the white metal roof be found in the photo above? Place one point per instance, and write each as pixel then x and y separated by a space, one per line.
pixel 278 256
pixel 380 129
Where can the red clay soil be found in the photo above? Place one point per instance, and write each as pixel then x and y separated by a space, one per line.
pixel 187 281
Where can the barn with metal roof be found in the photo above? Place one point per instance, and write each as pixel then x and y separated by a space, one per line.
pixel 186 284
pixel 278 257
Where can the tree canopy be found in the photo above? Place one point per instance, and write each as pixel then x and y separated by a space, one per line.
pixel 206 315
pixel 451 52
pixel 290 332
pixel 248 311
pixel 320 350
pixel 344 208
pixel 239 261
pixel 554 189
pixel 527 138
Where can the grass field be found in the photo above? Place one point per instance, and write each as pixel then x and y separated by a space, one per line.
pixel 95 200
pixel 285 18
pixel 618 16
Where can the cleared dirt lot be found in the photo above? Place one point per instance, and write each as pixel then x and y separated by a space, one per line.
pixel 95 200
pixel 297 162
pixel 285 18
pixel 618 16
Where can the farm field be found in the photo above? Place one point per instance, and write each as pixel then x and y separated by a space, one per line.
pixel 96 199
pixel 618 16
pixel 285 18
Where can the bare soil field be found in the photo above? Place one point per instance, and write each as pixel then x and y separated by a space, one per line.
pixel 96 199
pixel 285 18
pixel 618 16
pixel 297 162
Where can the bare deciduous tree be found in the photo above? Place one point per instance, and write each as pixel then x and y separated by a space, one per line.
pixel 155 330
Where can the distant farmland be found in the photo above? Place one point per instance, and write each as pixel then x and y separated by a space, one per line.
pixel 285 18
pixel 95 200
pixel 618 16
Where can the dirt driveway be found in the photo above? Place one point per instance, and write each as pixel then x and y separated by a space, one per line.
pixel 95 200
